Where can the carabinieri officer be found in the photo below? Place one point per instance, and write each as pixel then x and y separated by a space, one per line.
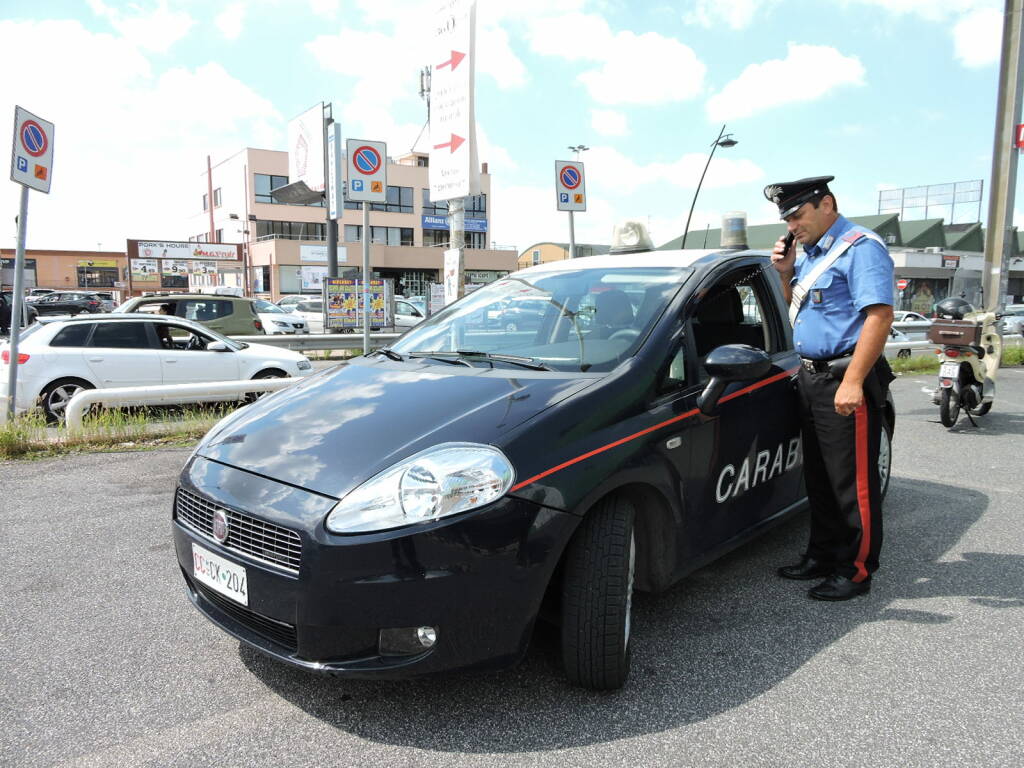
pixel 840 290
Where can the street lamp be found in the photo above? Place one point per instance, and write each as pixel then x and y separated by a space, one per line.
pixel 724 140
pixel 577 149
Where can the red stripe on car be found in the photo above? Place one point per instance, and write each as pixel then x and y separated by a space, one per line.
pixel 642 432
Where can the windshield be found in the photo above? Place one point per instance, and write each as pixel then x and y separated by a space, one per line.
pixel 578 320
pixel 310 306
pixel 266 306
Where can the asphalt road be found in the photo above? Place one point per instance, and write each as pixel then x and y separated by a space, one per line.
pixel 106 662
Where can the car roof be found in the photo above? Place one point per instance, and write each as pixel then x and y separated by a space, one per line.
pixel 166 296
pixel 120 317
pixel 640 259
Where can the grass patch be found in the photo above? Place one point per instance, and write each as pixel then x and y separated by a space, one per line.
pixel 921 364
pixel 1013 356
pixel 29 436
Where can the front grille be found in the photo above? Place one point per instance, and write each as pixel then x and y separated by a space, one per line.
pixel 263 541
pixel 276 631
pixel 300 325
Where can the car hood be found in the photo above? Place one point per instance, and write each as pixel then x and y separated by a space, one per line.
pixel 336 429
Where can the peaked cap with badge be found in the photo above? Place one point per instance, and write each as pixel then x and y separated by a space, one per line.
pixel 790 195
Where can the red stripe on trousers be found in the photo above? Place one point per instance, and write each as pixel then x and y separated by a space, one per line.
pixel 863 494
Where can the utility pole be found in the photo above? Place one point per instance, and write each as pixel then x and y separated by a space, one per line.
pixel 1002 187
pixel 332 224
pixel 572 222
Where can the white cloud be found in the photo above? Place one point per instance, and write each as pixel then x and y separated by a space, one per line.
pixel 327 8
pixel 609 169
pixel 630 71
pixel 807 73
pixel 106 189
pixel 154 30
pixel 736 14
pixel 230 21
pixel 977 38
pixel 930 10
pixel 608 122
pixel 628 61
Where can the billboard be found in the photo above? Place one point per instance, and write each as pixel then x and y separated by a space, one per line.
pixel 343 303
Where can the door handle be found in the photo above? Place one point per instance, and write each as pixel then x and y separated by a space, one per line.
pixel 170 360
pixel 95 359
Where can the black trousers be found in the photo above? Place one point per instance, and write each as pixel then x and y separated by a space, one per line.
pixel 841 472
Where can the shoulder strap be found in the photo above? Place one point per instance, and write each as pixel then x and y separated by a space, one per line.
pixel 801 289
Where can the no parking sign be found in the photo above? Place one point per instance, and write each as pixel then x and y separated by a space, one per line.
pixel 32 151
pixel 570 186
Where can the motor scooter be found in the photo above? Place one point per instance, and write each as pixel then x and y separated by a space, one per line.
pixel 969 356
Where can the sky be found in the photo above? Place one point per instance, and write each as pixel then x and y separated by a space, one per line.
pixel 879 93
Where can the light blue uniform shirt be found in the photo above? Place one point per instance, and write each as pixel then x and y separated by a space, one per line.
pixel 832 315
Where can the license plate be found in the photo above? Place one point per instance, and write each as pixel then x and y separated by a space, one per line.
pixel 220 575
pixel 949 370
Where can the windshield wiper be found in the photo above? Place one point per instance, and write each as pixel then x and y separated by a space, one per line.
pixel 525 362
pixel 460 355
pixel 388 353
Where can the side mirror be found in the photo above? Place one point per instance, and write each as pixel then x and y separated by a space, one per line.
pixel 216 346
pixel 729 363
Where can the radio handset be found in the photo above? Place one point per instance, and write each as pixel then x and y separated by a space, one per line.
pixel 787 244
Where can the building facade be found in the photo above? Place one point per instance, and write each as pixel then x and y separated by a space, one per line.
pixel 284 246
pixel 542 253
pixel 69 270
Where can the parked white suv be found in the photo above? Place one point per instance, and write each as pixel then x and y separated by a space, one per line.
pixel 59 358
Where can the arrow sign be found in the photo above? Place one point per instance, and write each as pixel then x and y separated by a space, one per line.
pixel 457 57
pixel 454 143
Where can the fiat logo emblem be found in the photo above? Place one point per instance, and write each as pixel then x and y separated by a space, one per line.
pixel 220 526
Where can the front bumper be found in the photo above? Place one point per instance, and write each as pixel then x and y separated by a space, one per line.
pixel 479 579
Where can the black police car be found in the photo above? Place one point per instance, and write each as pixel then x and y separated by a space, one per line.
pixel 420 508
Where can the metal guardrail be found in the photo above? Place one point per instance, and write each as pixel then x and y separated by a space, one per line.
pixel 173 394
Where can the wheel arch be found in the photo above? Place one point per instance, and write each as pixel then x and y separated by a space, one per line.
pixel 262 373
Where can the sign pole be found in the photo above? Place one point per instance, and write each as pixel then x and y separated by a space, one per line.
pixel 366 277
pixel 17 305
pixel 457 239
pixel 572 237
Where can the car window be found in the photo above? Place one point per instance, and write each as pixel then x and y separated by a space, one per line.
pixel 179 337
pixel 202 310
pixel 582 319
pixel 310 306
pixel 120 336
pixel 266 306
pixel 72 335
pixel 731 311
pixel 405 308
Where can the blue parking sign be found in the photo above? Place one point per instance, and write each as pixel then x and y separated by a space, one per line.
pixel 563 197
pixel 22 164
pixel 357 185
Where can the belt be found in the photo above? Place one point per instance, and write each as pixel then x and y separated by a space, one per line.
pixel 821 366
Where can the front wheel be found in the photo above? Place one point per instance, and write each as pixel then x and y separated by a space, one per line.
pixel 55 397
pixel 885 457
pixel 597 597
pixel 949 407
pixel 981 410
pixel 903 354
pixel 252 397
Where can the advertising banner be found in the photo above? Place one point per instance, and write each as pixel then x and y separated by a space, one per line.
pixel 313 278
pixel 204 268
pixel 97 262
pixel 343 302
pixel 170 268
pixel 441 222
pixel 145 269
pixel 922 294
pixel 306 148
pixel 454 170
pixel 161 249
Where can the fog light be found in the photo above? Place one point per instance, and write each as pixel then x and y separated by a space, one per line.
pixel 406 641
pixel 427 636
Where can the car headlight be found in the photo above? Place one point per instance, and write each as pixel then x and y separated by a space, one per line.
pixel 440 481
pixel 280 324
pixel 303 365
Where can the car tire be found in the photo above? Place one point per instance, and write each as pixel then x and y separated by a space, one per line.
pixel 597 596
pixel 270 373
pixel 511 327
pixel 57 394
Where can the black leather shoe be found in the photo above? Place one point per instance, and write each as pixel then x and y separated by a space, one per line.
pixel 807 568
pixel 839 588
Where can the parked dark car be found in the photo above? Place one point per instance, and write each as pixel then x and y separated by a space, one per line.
pixel 421 508
pixel 6 300
pixel 68 303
